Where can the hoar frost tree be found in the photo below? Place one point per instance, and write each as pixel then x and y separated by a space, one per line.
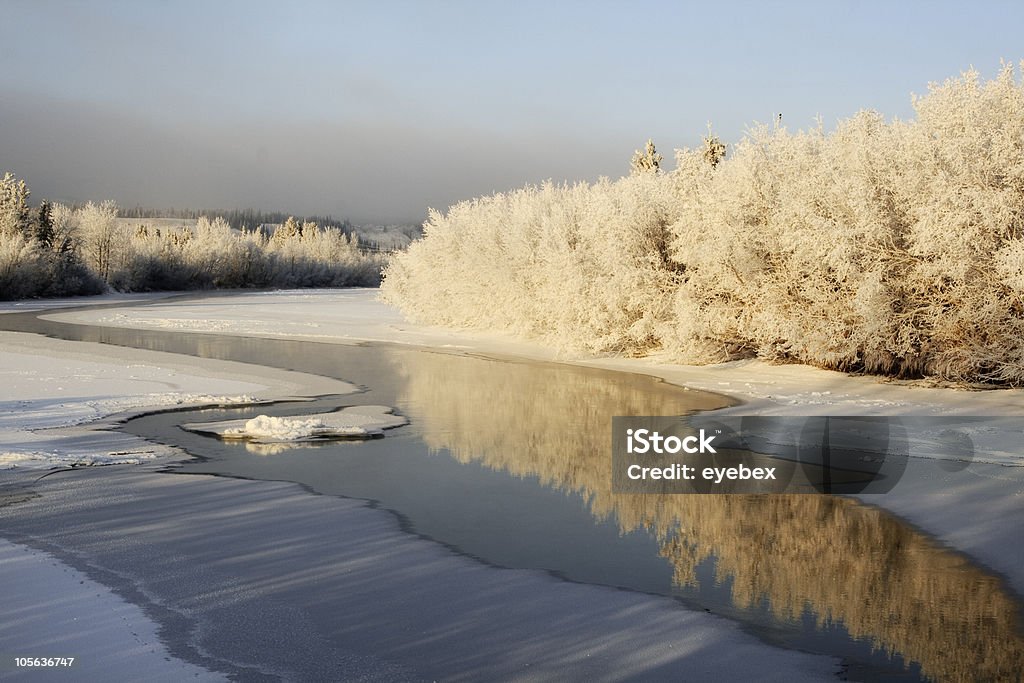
pixel 101 237
pixel 37 258
pixel 714 149
pixel 646 161
pixel 885 247
pixel 14 209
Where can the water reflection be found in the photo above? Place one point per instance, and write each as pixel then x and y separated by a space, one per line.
pixel 844 561
pixel 522 418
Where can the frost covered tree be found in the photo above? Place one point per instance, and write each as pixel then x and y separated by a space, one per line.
pixel 882 246
pixel 646 161
pixel 100 237
pixel 44 224
pixel 22 262
pixel 714 149
pixel 35 259
pixel 64 250
pixel 14 210
pixel 289 230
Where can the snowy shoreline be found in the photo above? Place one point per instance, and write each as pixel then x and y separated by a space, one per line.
pixel 349 316
pixel 62 400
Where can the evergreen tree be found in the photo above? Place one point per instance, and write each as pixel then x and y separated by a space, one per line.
pixel 289 230
pixel 44 224
pixel 646 161
pixel 714 149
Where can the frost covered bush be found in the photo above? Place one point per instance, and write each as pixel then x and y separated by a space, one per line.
pixel 889 248
pixel 964 199
pixel 584 265
pixel 21 266
pixel 885 247
pixel 212 254
pixel 322 257
pixel 787 246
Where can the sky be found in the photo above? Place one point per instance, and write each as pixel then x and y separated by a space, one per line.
pixel 375 111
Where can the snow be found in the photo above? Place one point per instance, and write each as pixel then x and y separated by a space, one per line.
pixel 110 638
pixel 341 316
pixel 354 421
pixel 112 298
pixel 60 399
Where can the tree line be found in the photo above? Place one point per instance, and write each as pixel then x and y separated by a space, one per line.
pixel 61 250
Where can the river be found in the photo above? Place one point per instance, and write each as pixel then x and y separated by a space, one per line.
pixel 507 462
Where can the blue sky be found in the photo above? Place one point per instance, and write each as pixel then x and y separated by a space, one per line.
pixel 377 110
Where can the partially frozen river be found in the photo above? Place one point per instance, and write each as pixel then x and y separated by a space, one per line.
pixel 507 462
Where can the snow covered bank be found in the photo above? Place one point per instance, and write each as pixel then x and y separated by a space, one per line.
pixel 59 399
pixel 26 305
pixel 355 315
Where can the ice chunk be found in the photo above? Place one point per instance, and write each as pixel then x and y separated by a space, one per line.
pixel 351 422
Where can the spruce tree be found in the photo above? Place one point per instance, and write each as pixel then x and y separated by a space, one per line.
pixel 646 161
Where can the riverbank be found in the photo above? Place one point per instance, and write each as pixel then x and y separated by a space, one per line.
pixel 62 399
pixel 350 316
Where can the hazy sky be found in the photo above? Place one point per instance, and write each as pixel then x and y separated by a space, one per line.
pixel 377 110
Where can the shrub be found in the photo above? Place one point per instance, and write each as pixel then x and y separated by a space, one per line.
pixel 886 247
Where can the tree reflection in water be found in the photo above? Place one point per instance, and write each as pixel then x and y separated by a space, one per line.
pixel 844 561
